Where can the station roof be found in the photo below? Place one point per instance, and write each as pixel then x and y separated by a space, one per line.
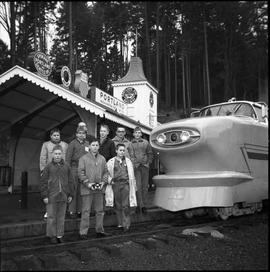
pixel 39 105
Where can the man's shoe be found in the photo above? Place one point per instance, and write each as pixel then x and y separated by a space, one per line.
pixel 83 237
pixel 119 226
pixel 53 240
pixel 144 210
pixel 102 234
pixel 60 240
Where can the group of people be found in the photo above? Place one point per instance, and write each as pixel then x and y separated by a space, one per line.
pixel 102 171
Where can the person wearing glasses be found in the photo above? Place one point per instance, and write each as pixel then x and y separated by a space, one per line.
pixel 121 139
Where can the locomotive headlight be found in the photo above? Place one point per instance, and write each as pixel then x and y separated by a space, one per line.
pixel 174 137
pixel 184 136
pixel 161 138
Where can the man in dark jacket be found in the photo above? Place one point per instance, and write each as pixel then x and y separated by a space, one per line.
pixel 89 137
pixel 141 157
pixel 93 175
pixel 107 146
pixel 56 186
pixel 76 149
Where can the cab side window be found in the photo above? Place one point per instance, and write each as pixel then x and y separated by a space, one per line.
pixel 246 110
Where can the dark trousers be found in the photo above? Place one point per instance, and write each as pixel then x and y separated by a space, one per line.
pixel 121 201
pixel 76 205
pixel 141 176
pixel 56 218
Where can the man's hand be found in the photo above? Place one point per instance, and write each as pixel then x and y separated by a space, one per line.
pixel 90 186
pixel 46 200
pixel 111 181
pixel 85 181
pixel 69 199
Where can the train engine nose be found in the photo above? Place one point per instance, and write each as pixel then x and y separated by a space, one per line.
pixel 175 137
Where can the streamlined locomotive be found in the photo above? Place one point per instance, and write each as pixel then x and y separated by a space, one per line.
pixel 216 162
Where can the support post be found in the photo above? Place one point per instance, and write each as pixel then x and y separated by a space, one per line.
pixel 24 190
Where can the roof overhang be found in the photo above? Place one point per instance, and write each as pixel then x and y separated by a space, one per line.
pixel 24 94
pixel 18 72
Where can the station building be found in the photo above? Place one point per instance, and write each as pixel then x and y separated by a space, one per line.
pixel 31 104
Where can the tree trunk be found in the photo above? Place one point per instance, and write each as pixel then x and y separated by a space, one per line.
pixel 157 42
pixel 13 34
pixel 35 24
pixel 121 52
pixel 204 84
pixel 188 82
pixel 169 81
pixel 206 64
pixel 70 42
pixel 183 83
pixel 175 79
pixel 26 34
pixel 148 63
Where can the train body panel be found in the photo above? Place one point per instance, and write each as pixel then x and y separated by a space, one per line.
pixel 213 161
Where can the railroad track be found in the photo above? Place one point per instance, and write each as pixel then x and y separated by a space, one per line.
pixel 38 254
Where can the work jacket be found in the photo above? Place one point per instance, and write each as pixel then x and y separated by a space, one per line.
pixel 142 153
pixel 94 169
pixel 46 152
pixel 76 149
pixel 107 149
pixel 56 182
pixel 131 180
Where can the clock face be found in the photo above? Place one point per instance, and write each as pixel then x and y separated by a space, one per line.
pixel 151 99
pixel 129 95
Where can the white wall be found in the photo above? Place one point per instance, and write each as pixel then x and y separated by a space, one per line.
pixel 140 109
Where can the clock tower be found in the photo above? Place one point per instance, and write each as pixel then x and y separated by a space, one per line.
pixel 139 95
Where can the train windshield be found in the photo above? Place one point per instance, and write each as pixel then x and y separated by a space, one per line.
pixel 243 109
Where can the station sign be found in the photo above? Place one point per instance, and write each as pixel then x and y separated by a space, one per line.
pixel 109 101
pixel 65 76
pixel 40 63
pixel 62 76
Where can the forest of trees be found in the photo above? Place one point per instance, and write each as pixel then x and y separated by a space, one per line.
pixel 193 52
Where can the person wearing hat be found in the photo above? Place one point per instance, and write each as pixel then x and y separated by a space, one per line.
pixel 76 149
pixel 89 137
pixel 56 186
pixel 46 153
pixel 141 157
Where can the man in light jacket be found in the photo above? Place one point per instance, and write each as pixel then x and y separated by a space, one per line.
pixel 122 179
